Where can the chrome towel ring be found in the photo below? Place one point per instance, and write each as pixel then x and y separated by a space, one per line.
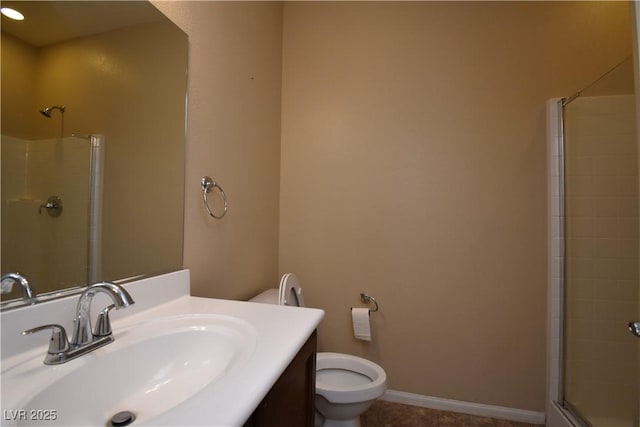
pixel 207 185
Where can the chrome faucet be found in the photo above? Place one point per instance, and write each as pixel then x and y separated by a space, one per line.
pixel 82 322
pixel 27 293
pixel 84 340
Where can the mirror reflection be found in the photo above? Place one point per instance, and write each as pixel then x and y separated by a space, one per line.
pixel 72 71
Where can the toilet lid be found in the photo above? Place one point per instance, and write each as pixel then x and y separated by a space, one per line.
pixel 290 292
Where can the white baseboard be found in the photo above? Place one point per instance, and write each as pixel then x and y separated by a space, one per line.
pixel 511 414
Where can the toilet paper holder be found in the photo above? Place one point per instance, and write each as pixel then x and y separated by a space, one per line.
pixel 368 299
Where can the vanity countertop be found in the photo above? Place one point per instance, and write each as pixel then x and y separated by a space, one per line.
pixel 280 332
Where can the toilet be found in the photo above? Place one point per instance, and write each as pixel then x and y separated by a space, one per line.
pixel 346 385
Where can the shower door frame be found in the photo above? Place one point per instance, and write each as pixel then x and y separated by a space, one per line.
pixel 556 415
pixel 635 29
pixel 96 173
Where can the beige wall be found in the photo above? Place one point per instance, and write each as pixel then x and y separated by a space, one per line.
pixel 233 135
pixel 17 96
pixel 413 169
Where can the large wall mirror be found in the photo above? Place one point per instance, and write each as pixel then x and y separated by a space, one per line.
pixel 73 69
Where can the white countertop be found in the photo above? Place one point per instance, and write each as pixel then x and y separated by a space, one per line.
pixel 280 333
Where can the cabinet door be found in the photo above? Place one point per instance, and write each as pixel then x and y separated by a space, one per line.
pixel 291 400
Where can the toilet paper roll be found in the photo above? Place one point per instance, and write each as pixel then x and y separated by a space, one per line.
pixel 361 325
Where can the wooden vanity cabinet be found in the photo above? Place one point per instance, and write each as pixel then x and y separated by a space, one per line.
pixel 291 400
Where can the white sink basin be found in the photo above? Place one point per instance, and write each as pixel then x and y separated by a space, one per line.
pixel 150 369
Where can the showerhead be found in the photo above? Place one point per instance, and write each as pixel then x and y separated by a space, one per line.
pixel 47 111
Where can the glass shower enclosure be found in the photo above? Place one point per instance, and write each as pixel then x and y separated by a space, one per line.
pixel 599 384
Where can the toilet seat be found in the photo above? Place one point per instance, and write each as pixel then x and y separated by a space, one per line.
pixel 349 390
pixel 290 292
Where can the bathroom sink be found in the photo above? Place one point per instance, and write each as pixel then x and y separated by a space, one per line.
pixel 150 369
pixel 177 360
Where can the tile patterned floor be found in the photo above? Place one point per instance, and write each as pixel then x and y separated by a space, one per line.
pixel 387 414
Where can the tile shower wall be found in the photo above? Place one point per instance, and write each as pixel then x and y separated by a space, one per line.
pixel 46 250
pixel 602 254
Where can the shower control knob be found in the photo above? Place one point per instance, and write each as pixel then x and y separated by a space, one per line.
pixel 53 206
pixel 634 328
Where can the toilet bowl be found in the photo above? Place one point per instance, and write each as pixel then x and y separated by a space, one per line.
pixel 346 385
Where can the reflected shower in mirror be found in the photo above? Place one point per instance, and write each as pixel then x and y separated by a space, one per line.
pixel 73 69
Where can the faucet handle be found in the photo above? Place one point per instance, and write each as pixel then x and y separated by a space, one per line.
pixel 103 324
pixel 59 342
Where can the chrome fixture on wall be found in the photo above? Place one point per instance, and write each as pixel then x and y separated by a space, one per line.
pixel 53 207
pixel 368 299
pixel 207 185
pixel 47 113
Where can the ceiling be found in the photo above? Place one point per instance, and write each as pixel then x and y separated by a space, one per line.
pixel 51 22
